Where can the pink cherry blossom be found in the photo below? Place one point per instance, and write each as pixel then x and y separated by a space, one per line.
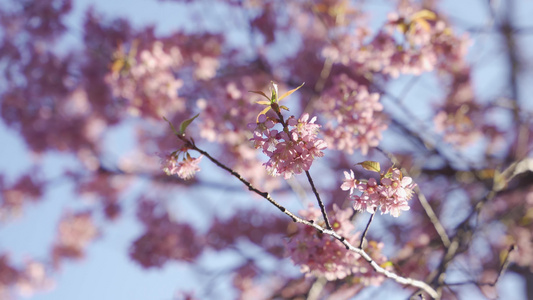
pixel 185 169
pixel 391 195
pixel 292 151
pixel 321 255
pixel 349 182
pixel 357 122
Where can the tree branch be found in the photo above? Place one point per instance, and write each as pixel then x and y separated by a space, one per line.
pixel 320 203
pixel 399 279
pixel 366 230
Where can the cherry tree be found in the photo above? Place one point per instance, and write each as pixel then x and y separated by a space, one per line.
pixel 367 144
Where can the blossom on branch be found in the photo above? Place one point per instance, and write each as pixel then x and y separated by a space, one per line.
pixel 185 169
pixel 292 150
pixel 356 119
pixel 321 255
pixel 391 194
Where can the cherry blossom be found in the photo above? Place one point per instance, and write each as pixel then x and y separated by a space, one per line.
pixel 391 195
pixel 320 255
pixel 185 169
pixel 291 151
pixel 72 93
pixel 355 114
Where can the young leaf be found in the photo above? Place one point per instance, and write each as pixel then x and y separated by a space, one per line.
pixel 274 92
pixel 260 93
pixel 290 92
pixel 387 264
pixel 424 14
pixel 186 124
pixel 422 18
pixel 263 102
pixel 171 126
pixel 370 166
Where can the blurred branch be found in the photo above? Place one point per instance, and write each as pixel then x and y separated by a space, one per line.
pixel 464 231
pixel 316 288
pixel 424 202
pixel 502 270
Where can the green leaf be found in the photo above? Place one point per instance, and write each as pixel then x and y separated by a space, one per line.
pixel 290 92
pixel 424 14
pixel 284 107
pixel 260 93
pixel 263 102
pixel 387 264
pixel 371 166
pixel 274 92
pixel 171 126
pixel 186 124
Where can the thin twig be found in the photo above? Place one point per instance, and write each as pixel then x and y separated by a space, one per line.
pixel 433 217
pixel 366 230
pixel 316 288
pixel 320 203
pixel 399 279
pixel 502 270
pixel 245 182
pixel 457 241
pixel 425 204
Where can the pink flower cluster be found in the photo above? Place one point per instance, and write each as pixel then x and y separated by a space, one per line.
pixel 164 239
pixel 391 194
pixel 26 189
pixel 225 122
pixel 460 119
pixel 185 169
pixel 34 276
pixel 412 41
pixel 291 150
pixel 75 232
pixel 322 255
pixel 357 113
pixel 147 81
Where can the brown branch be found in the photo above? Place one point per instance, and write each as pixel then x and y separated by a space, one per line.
pixel 399 279
pixel 502 270
pixel 320 203
pixel 366 230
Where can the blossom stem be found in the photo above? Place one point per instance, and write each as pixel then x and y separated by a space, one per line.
pixel 366 230
pixel 320 203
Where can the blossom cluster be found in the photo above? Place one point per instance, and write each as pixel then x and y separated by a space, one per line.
pixel 391 194
pixel 412 41
pixel 225 122
pixel 146 81
pixel 460 118
pixel 291 150
pixel 357 122
pixel 185 169
pixel 33 276
pixel 75 232
pixel 321 255
pixel 164 238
